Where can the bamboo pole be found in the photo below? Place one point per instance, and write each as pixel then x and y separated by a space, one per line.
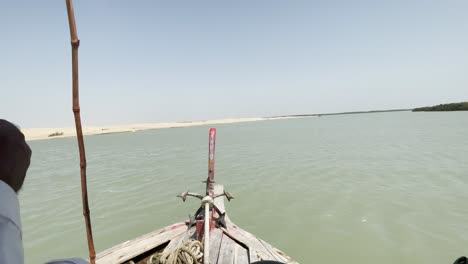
pixel 75 43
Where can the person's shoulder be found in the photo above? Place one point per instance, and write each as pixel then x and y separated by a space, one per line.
pixel 68 261
pixel 9 207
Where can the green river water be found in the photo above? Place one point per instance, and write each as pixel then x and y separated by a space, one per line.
pixel 364 188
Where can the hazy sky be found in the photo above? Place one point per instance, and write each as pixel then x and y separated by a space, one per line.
pixel 154 61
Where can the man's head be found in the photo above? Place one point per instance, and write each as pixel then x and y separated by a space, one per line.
pixel 15 155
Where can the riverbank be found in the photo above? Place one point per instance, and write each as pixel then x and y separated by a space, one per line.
pixel 62 132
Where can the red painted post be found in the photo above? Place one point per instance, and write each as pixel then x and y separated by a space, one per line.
pixel 211 157
pixel 200 229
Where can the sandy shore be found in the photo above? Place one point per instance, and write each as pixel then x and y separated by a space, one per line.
pixel 43 133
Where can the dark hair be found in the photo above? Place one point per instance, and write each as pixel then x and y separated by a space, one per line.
pixel 15 155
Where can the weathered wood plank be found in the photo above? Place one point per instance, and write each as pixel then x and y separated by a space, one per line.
pixel 241 255
pixel 215 243
pixel 135 247
pixel 231 252
pixel 253 256
pixel 256 250
pixel 226 251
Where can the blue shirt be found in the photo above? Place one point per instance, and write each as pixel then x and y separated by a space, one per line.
pixel 11 244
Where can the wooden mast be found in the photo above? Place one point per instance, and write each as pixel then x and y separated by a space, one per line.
pixel 75 43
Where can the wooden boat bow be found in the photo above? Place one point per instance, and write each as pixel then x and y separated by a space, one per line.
pixel 230 244
pixel 224 242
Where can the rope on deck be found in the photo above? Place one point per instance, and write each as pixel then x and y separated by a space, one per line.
pixel 190 252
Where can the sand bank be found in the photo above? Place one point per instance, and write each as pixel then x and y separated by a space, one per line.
pixel 44 133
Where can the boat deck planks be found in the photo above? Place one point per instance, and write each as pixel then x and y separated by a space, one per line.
pixel 140 245
pixel 230 251
pixel 241 254
pixel 230 245
pixel 215 244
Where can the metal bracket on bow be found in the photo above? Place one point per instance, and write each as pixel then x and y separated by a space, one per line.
pixel 188 193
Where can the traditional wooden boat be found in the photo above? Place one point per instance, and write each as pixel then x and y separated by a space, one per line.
pixel 207 237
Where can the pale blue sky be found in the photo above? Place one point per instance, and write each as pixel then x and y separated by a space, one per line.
pixel 155 61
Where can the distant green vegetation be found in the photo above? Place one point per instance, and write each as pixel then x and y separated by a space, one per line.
pixel 343 113
pixel 56 134
pixel 463 106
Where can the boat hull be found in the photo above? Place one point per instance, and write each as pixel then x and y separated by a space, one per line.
pixel 230 244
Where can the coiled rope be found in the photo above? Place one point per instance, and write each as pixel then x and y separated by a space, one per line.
pixel 190 252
